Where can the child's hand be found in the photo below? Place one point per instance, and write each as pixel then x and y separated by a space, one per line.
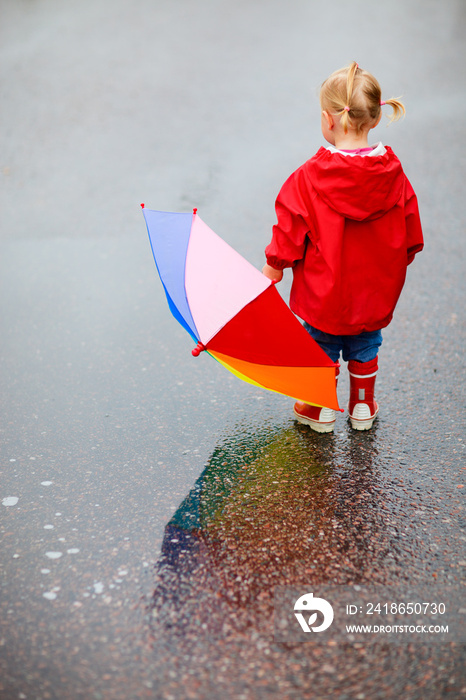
pixel 272 273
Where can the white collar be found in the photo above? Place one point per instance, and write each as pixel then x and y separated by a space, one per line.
pixel 378 149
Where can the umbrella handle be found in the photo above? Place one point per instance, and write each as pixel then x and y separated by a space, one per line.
pixel 198 349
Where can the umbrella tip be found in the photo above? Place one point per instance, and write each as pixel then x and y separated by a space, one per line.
pixel 198 349
pixel 142 205
pixel 195 211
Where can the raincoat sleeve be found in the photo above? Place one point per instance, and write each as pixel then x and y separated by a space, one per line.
pixel 414 237
pixel 290 233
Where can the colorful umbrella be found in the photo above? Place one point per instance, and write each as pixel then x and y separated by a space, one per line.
pixel 234 312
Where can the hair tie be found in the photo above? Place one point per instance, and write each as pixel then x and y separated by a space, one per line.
pixel 347 108
pixel 382 103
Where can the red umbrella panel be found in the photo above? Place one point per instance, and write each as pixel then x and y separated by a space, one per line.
pixel 235 313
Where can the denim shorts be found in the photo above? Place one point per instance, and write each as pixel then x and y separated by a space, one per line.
pixel 362 347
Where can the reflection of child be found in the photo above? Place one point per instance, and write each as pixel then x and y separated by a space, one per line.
pixel 348 224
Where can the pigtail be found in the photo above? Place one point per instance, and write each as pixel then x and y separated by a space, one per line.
pixel 398 107
pixel 345 117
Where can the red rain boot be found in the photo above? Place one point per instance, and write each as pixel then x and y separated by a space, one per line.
pixel 322 420
pixel 362 407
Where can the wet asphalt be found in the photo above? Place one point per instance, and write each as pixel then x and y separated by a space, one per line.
pixel 151 504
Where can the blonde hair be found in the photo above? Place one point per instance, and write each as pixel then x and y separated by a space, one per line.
pixel 355 96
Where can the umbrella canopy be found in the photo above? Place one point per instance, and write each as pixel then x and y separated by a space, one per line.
pixel 234 312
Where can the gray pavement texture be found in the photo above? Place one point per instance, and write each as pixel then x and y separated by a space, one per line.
pixel 151 503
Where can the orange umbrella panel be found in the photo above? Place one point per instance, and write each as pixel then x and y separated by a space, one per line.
pixel 313 385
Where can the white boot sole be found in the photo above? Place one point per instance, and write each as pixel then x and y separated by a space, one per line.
pixel 362 422
pixel 317 426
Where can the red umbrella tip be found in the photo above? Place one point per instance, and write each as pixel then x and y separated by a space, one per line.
pixel 195 210
pixel 142 205
pixel 198 349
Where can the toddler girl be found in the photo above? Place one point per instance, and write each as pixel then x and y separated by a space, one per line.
pixel 348 224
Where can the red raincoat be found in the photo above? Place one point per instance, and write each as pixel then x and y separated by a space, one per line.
pixel 348 226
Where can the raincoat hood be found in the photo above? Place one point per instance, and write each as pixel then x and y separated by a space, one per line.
pixel 361 188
